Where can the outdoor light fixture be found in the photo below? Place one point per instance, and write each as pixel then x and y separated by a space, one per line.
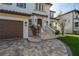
pixel 25 23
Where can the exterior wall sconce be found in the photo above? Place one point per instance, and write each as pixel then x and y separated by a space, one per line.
pixel 25 23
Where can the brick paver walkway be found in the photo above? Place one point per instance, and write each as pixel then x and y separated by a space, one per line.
pixel 24 47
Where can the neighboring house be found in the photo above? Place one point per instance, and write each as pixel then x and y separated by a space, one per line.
pixel 15 18
pixel 70 21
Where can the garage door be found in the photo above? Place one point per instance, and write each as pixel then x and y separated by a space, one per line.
pixel 11 29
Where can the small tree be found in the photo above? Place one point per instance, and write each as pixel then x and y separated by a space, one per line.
pixel 57 32
pixel 62 25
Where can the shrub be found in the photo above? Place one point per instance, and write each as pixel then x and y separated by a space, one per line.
pixel 34 30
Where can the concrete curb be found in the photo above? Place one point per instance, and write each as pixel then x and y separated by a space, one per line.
pixel 67 48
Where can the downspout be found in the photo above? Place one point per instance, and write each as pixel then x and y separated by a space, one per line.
pixel 73 22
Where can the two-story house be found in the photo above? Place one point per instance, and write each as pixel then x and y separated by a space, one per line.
pixel 15 18
pixel 70 21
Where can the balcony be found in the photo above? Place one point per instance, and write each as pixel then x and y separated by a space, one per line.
pixel 39 9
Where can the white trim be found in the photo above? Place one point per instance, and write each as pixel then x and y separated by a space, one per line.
pixel 11 18
pixel 25 29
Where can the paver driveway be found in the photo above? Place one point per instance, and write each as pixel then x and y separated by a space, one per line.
pixel 23 47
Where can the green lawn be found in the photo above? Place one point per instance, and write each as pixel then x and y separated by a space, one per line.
pixel 72 41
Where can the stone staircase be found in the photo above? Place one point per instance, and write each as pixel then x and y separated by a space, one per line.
pixel 45 34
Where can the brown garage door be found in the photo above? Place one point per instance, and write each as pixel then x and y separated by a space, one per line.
pixel 11 29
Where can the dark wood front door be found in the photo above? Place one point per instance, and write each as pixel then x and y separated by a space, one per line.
pixel 11 29
pixel 39 22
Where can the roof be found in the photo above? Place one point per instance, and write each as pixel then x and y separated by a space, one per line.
pixel 52 11
pixel 39 14
pixel 54 18
pixel 49 3
pixel 69 12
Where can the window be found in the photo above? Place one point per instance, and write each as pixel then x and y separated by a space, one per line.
pixel 30 22
pixel 7 3
pixel 76 16
pixel 46 22
pixel 39 6
pixel 21 5
pixel 51 14
pixel 36 6
pixel 76 24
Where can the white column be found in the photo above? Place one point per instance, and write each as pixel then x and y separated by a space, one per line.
pixel 44 23
pixel 25 29
pixel 35 20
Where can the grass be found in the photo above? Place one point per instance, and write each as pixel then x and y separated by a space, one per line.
pixel 72 41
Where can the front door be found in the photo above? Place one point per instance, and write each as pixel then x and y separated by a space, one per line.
pixel 39 22
pixel 39 25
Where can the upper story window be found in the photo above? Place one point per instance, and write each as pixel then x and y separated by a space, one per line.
pixel 21 5
pixel 39 7
pixel 51 14
pixel 76 16
pixel 7 3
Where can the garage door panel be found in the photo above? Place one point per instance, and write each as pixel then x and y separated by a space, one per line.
pixel 11 29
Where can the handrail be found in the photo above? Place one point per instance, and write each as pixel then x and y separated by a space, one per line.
pixel 48 29
pixel 51 28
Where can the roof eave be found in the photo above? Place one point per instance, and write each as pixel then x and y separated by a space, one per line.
pixel 14 12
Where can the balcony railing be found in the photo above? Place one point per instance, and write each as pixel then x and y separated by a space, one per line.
pixel 7 3
pixel 39 12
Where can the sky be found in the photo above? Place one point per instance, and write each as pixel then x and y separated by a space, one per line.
pixel 64 7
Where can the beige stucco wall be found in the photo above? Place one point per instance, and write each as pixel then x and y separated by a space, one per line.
pixel 13 17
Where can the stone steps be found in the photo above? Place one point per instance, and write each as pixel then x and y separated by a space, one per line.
pixel 46 35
